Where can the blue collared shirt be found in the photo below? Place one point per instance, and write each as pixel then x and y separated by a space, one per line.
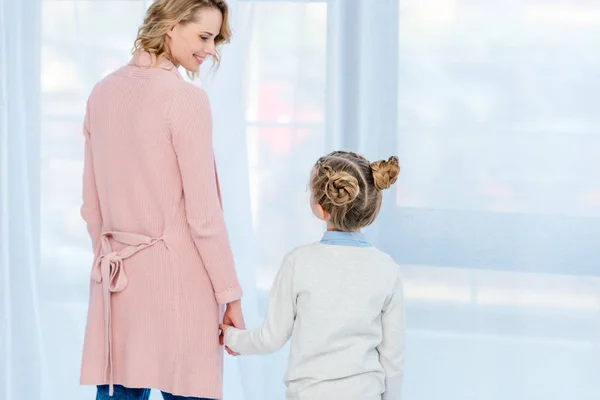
pixel 353 239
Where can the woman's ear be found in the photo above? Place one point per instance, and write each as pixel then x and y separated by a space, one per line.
pixel 170 31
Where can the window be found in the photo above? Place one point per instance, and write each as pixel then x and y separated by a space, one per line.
pixel 507 87
pixel 497 126
pixel 497 209
pixel 285 86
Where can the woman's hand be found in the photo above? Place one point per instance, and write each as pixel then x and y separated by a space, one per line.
pixel 233 315
pixel 233 318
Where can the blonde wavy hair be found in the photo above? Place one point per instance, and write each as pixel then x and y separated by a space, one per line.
pixel 162 15
pixel 348 187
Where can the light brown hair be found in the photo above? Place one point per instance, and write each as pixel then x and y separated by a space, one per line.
pixel 162 15
pixel 348 187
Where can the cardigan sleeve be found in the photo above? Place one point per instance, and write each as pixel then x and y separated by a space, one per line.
pixel 190 125
pixel 90 209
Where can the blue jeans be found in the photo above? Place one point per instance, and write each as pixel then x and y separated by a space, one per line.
pixel 123 393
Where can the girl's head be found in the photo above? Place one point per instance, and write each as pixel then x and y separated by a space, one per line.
pixel 346 188
pixel 185 31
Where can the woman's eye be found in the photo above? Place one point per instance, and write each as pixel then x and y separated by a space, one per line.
pixel 204 38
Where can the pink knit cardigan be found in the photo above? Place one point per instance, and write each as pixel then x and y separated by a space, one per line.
pixel 163 263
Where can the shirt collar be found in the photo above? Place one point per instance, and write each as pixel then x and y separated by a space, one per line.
pixel 353 239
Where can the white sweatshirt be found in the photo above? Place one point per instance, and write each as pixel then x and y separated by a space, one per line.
pixel 343 308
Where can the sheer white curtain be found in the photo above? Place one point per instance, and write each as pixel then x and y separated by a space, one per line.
pixel 225 89
pixel 494 221
pixel 20 344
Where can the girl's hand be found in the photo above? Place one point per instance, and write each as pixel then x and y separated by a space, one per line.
pixel 223 328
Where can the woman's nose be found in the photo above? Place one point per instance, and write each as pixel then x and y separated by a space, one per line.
pixel 210 49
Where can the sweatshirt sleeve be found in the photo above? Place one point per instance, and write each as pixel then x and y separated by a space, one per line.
pixel 279 321
pixel 391 348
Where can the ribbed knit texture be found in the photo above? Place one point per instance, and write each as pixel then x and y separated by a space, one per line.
pixel 150 171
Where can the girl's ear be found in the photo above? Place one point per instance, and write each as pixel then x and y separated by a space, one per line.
pixel 320 212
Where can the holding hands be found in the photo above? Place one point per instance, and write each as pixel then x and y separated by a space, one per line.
pixel 233 317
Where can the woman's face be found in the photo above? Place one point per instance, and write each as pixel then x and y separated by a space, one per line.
pixel 189 44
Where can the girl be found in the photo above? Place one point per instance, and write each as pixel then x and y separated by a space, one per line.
pixel 340 299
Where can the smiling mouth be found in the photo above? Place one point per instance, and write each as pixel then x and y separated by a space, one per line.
pixel 199 59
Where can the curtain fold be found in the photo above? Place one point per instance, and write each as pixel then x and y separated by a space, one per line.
pixel 21 365
pixel 226 92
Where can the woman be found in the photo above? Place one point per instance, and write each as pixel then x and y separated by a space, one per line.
pixel 163 264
